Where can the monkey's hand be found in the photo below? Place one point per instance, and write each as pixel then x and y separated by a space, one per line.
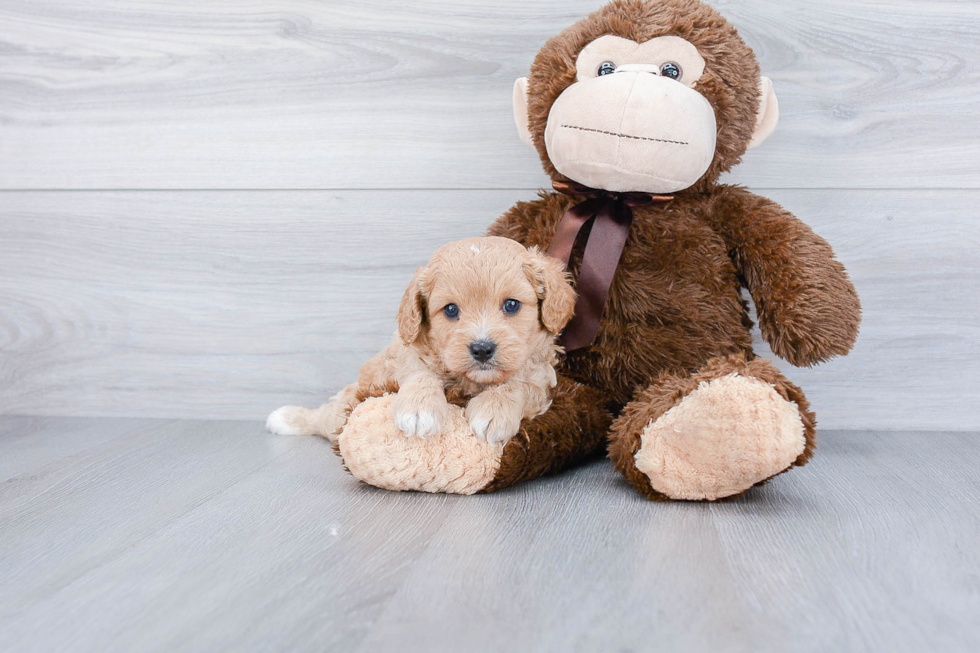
pixel 808 309
pixel 811 323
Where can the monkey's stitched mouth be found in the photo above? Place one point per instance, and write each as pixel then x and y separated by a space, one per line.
pixel 618 135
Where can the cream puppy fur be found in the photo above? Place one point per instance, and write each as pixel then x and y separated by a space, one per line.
pixel 480 320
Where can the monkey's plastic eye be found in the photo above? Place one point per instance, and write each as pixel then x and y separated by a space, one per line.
pixel 606 68
pixel 511 306
pixel 451 311
pixel 671 70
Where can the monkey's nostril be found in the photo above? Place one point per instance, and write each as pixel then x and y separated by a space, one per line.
pixel 482 350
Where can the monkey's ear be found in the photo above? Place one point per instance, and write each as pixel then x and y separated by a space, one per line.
pixel 555 295
pixel 520 110
pixel 768 118
pixel 412 312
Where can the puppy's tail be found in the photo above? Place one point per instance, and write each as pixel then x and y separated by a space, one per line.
pixel 328 420
pixel 325 421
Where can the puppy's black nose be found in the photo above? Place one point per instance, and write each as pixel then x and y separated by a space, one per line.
pixel 482 350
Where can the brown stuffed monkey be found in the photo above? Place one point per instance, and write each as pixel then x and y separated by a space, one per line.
pixel 635 112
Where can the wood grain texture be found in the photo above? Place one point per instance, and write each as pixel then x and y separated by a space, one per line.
pixel 229 304
pixel 22 452
pixel 122 94
pixel 189 536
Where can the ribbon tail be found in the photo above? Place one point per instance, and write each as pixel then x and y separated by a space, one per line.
pixel 599 262
pixel 570 226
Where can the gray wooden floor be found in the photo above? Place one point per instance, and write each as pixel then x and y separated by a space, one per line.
pixel 129 534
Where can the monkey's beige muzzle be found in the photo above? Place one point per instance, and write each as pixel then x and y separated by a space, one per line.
pixel 631 131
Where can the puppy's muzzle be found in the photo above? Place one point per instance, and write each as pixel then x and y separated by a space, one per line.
pixel 482 350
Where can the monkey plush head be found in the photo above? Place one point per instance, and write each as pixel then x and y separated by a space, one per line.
pixel 654 96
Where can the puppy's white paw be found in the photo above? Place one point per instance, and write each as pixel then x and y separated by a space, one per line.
pixel 479 426
pixel 492 421
pixel 419 424
pixel 417 421
pixel 286 421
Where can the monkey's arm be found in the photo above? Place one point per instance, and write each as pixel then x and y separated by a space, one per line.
pixel 808 309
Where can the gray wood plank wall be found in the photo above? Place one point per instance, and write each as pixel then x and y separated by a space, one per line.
pixel 207 210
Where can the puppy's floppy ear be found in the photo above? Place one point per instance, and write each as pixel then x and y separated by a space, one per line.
pixel 555 295
pixel 412 312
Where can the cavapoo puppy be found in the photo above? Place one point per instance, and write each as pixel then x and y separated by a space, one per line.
pixel 479 320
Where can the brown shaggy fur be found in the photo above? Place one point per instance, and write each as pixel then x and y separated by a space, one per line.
pixel 675 315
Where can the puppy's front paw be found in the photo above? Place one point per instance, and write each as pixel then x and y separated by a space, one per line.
pixel 493 420
pixel 420 419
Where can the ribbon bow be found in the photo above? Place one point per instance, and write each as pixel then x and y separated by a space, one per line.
pixel 611 214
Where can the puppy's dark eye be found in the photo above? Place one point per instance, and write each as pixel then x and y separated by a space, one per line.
pixel 605 68
pixel 511 306
pixel 451 311
pixel 671 70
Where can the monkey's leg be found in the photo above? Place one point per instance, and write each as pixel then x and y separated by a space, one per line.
pixel 572 431
pixel 716 433
pixel 455 461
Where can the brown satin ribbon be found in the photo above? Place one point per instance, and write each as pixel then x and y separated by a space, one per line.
pixel 612 214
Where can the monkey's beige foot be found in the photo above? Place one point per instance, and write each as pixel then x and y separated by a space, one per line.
pixel 454 461
pixel 713 435
pixel 720 440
